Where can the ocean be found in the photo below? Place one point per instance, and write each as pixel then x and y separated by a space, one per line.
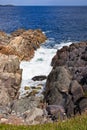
pixel 62 25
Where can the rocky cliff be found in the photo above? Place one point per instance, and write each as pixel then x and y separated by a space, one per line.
pixel 67 83
pixel 20 45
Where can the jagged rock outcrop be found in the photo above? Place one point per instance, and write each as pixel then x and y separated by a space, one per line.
pixel 17 32
pixel 19 45
pixel 74 58
pixel 66 84
pixel 23 43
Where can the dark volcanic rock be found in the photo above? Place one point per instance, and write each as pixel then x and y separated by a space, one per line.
pixel 62 90
pixel 81 105
pixel 57 86
pixel 56 112
pixel 76 90
pixel 74 58
pixel 67 83
pixel 39 78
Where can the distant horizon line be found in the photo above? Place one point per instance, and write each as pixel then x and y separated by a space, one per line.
pixel 38 5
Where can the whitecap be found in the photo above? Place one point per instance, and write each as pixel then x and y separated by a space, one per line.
pixel 39 65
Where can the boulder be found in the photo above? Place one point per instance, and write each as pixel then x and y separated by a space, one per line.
pixel 34 116
pixel 57 91
pixel 76 90
pixel 57 86
pixel 69 106
pixel 39 78
pixel 24 104
pixel 81 105
pixel 56 112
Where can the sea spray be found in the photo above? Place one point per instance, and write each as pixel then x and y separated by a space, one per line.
pixel 39 65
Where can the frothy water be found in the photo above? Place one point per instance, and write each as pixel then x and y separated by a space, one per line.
pixel 39 65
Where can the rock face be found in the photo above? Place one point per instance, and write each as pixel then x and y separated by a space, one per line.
pixel 23 43
pixel 58 82
pixel 10 78
pixel 20 45
pixel 73 58
pixel 67 84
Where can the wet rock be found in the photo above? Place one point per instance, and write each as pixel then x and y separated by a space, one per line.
pixel 39 78
pixel 26 88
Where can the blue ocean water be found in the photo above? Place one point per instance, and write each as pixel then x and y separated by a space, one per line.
pixel 61 24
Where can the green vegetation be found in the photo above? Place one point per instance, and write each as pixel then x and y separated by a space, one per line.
pixel 77 123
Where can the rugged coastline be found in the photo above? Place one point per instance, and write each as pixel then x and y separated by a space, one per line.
pixel 66 85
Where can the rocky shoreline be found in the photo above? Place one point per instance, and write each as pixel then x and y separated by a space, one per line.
pixel 66 85
pixel 14 47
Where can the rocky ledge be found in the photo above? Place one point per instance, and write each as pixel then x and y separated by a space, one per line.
pixel 21 43
pixel 67 83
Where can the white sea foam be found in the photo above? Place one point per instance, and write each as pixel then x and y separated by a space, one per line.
pixel 39 65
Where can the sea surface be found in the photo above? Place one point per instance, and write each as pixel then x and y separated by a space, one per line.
pixel 62 26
